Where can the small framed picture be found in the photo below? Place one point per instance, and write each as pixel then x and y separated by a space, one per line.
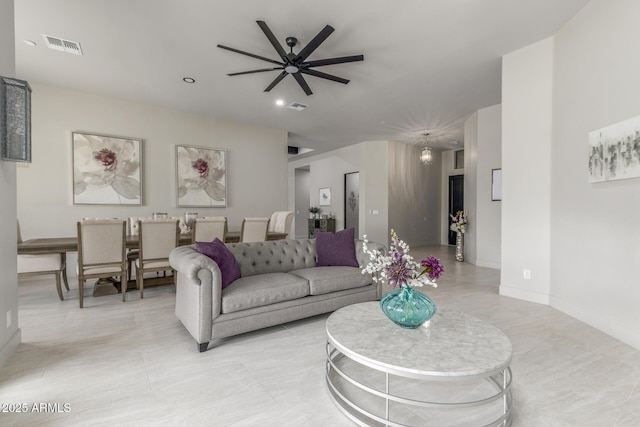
pixel 325 196
pixel 496 184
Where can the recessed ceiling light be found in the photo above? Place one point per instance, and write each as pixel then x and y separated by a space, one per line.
pixel 279 102
pixel 189 80
pixel 30 43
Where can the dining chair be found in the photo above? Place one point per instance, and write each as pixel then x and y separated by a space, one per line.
pixel 254 230
pixel 101 252
pixel 208 228
pixel 32 265
pixel 132 230
pixel 280 222
pixel 156 239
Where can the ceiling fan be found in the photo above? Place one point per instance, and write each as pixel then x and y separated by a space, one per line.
pixel 296 64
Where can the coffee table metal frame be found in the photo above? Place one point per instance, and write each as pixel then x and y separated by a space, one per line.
pixel 500 378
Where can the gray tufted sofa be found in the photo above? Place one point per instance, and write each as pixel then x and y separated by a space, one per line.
pixel 280 283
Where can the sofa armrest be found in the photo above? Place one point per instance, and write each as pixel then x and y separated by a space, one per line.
pixel 198 290
pixel 364 259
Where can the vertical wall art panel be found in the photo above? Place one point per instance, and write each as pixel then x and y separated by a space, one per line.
pixel 107 170
pixel 614 151
pixel 201 175
pixel 15 120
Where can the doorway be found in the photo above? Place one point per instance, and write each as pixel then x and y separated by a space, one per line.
pixel 456 201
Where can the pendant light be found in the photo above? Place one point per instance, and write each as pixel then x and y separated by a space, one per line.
pixel 426 155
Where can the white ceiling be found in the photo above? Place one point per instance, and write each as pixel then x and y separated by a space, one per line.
pixel 428 64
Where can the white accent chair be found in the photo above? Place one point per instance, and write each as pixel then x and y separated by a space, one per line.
pixel 208 228
pixel 101 252
pixel 280 222
pixel 32 265
pixel 254 230
pixel 156 239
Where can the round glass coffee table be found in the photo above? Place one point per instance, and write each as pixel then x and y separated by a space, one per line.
pixel 453 370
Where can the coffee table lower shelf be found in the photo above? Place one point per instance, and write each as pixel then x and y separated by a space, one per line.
pixel 373 387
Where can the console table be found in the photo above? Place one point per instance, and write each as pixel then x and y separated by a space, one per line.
pixel 321 224
pixel 453 368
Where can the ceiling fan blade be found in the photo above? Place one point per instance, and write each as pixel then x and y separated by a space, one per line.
pixel 331 61
pixel 302 82
pixel 325 76
pixel 249 54
pixel 314 43
pixel 254 71
pixel 277 80
pixel 267 32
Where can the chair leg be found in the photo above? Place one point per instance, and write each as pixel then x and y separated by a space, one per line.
pixel 64 269
pixel 140 281
pixel 58 287
pixel 81 291
pixel 124 284
pixel 64 277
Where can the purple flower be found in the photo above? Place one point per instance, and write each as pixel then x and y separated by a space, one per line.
pixel 107 158
pixel 202 167
pixel 432 267
pixel 398 273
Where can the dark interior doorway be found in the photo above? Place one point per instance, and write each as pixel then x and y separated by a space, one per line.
pixel 456 201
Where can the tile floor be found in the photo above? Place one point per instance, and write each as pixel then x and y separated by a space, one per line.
pixel 134 364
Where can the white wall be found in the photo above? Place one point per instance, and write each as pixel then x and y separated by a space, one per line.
pixel 10 335
pixel 448 169
pixel 470 186
pixel 595 232
pixel 488 212
pixel 256 161
pixel 527 83
pixel 328 169
pixel 414 195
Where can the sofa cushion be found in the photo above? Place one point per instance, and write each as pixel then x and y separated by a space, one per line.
pixel 217 251
pixel 323 280
pixel 263 289
pixel 336 249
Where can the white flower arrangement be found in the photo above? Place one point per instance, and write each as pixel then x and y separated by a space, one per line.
pixel 459 222
pixel 399 268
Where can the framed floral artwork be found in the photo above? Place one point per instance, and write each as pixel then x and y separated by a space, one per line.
pixel 107 170
pixel 201 175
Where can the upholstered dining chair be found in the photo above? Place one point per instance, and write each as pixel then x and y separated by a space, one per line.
pixel 132 230
pixel 208 228
pixel 156 239
pixel 31 265
pixel 254 230
pixel 101 252
pixel 280 222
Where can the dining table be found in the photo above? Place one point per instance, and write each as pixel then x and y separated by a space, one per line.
pixel 62 245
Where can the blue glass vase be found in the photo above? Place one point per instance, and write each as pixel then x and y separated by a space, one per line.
pixel 408 308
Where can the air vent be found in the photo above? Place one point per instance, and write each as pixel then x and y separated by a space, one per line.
pixel 292 150
pixel 56 43
pixel 297 106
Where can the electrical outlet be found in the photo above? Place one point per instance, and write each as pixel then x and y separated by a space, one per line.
pixel 9 318
pixel 526 274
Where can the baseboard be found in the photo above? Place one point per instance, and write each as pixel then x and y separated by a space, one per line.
pixel 488 264
pixel 607 325
pixel 10 347
pixel 522 294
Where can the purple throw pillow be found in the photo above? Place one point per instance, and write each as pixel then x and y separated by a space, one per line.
pixel 336 249
pixel 217 251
